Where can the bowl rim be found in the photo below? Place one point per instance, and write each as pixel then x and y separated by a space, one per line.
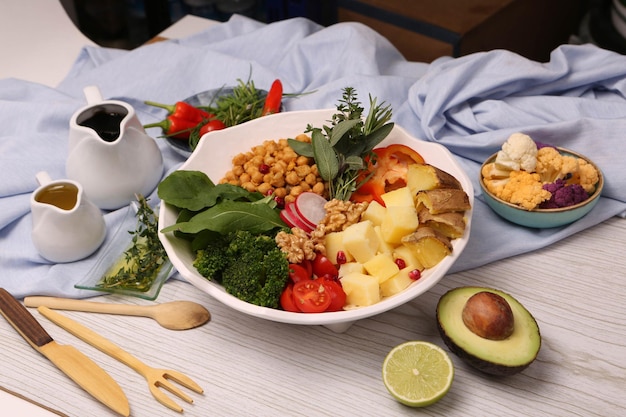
pixel 596 194
pixel 329 319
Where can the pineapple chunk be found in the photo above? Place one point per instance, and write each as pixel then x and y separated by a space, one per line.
pixel 334 244
pixel 384 247
pixel 397 283
pixel 428 246
pixel 406 254
pixel 361 289
pixel 400 197
pixel 374 213
pixel 361 241
pixel 349 267
pixel 399 221
pixel 382 266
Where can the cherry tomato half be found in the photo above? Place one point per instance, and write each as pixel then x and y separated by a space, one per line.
pixel 324 266
pixel 311 296
pixel 286 300
pixel 298 273
pixel 212 125
pixel 337 294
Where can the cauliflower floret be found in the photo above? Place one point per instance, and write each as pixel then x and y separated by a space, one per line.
pixel 518 152
pixel 491 171
pixel 524 189
pixel 563 195
pixel 586 175
pixel 552 166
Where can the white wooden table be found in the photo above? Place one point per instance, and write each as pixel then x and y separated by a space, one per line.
pixel 576 289
pixel 247 366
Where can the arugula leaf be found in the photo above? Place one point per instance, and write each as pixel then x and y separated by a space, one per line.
pixel 230 216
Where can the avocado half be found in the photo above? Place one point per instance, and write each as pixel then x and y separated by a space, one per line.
pixel 496 357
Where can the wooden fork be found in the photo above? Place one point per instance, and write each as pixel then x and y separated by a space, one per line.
pixel 156 378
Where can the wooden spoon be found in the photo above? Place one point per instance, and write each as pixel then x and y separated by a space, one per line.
pixel 174 315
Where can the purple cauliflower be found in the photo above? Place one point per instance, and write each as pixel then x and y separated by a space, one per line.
pixel 563 194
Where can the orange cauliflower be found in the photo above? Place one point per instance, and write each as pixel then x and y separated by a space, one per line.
pixel 587 176
pixel 552 166
pixel 524 189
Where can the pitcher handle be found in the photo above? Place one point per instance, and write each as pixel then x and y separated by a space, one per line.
pixel 92 94
pixel 43 178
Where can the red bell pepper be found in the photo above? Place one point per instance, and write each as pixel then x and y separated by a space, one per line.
pixel 387 171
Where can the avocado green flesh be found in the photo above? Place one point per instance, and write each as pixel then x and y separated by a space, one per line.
pixel 497 357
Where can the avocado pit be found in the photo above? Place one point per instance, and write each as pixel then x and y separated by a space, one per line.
pixel 489 315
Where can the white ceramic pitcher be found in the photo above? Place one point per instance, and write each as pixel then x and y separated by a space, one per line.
pixel 66 225
pixel 110 154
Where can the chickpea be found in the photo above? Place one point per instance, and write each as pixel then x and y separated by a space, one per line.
pixel 303 170
pixel 296 190
pixel 318 188
pixel 257 177
pixel 238 170
pixel 239 159
pixel 301 160
pixel 280 192
pixel 249 186
pixel 310 179
pixel 264 188
pixel 292 178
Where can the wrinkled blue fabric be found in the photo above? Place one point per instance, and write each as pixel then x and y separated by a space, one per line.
pixel 470 105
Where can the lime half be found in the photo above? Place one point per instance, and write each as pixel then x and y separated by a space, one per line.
pixel 418 373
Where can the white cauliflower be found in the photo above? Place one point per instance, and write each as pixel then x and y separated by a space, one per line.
pixel 519 152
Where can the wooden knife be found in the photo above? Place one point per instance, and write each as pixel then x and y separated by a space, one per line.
pixel 82 370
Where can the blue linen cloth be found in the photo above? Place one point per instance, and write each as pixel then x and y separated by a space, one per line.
pixel 469 104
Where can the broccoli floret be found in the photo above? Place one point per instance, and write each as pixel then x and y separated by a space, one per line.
pixel 251 267
pixel 563 195
pixel 212 260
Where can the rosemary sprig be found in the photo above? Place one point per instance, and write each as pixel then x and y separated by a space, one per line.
pixel 140 264
pixel 339 150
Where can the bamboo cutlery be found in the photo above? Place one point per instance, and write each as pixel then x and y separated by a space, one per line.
pixel 86 373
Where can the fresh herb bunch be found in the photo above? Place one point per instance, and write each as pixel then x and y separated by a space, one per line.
pixel 340 150
pixel 142 261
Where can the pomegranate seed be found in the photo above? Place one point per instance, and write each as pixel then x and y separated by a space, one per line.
pixel 280 202
pixel 400 262
pixel 264 169
pixel 269 192
pixel 341 257
pixel 415 274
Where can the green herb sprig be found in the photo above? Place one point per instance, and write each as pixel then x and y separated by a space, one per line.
pixel 141 262
pixel 339 150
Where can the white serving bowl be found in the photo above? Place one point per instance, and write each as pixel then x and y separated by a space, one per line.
pixel 213 156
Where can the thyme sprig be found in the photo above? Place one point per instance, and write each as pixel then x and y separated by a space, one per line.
pixel 140 264
pixel 339 150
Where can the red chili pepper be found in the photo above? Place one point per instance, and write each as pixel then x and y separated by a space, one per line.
pixel 175 127
pixel 273 99
pixel 182 110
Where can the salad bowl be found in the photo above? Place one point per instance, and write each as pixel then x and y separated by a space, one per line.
pixel 213 156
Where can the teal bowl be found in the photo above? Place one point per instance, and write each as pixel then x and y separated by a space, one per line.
pixel 542 218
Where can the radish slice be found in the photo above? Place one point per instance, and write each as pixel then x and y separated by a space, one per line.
pixel 310 208
pixel 292 221
pixel 291 208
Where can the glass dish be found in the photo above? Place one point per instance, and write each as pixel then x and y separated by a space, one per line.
pixel 114 252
